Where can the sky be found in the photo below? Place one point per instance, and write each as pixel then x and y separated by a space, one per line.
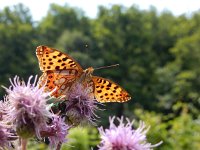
pixel 39 8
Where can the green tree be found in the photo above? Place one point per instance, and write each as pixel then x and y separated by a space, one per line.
pixel 17 38
pixel 58 19
pixel 179 78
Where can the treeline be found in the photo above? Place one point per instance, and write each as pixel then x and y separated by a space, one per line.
pixel 158 53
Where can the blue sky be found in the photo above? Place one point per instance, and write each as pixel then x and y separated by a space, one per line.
pixel 39 8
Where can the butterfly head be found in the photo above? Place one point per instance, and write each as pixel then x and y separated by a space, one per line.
pixel 89 71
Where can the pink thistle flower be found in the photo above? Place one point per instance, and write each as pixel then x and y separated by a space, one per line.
pixel 80 105
pixel 6 136
pixel 4 142
pixel 4 107
pixel 28 109
pixel 56 131
pixel 123 137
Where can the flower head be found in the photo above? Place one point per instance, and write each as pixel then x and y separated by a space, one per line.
pixel 4 107
pixel 81 105
pixel 28 107
pixel 56 131
pixel 6 136
pixel 123 137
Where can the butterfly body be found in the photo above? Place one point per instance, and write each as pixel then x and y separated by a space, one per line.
pixel 86 74
pixel 61 72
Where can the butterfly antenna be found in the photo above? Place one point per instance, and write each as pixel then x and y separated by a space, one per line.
pixel 103 67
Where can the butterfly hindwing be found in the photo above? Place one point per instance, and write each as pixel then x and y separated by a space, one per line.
pixel 59 81
pixel 108 91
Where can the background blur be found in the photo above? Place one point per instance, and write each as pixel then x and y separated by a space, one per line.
pixel 158 53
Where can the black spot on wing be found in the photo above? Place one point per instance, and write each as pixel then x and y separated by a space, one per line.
pixel 64 59
pixel 99 91
pixel 59 54
pixel 109 85
pixel 57 67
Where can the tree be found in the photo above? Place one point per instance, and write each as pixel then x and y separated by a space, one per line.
pixel 17 35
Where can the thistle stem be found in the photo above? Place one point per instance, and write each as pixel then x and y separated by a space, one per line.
pixel 24 144
pixel 59 146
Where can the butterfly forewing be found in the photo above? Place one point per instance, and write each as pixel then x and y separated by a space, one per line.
pixel 108 91
pixel 52 59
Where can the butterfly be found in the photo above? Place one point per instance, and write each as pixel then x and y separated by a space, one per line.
pixel 61 72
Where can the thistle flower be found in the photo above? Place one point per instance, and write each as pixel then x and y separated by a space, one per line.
pixel 6 136
pixel 123 137
pixel 56 131
pixel 4 107
pixel 28 107
pixel 81 105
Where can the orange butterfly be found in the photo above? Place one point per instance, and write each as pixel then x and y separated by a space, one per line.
pixel 60 72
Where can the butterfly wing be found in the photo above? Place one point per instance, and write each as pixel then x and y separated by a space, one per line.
pixel 59 81
pixel 59 70
pixel 108 91
pixel 52 59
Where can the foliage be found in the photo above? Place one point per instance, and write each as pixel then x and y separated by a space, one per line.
pixel 17 38
pixel 181 132
pixel 82 138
